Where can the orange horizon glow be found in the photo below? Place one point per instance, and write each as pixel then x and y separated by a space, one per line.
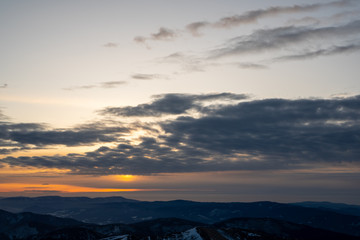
pixel 20 187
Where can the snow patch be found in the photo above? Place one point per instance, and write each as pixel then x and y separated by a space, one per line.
pixel 191 234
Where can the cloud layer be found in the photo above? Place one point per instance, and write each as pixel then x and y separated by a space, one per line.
pixel 241 135
pixel 297 39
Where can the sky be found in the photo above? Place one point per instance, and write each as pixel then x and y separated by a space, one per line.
pixel 208 100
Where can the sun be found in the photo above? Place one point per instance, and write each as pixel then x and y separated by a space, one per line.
pixel 126 178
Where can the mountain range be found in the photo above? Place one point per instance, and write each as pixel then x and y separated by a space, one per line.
pixel 120 218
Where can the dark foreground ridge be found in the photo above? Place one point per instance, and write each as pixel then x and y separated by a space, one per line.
pixel 97 218
pixel 30 226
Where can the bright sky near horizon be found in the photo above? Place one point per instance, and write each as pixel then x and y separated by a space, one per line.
pixel 211 100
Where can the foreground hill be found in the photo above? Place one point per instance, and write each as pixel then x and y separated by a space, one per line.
pixel 121 210
pixel 29 226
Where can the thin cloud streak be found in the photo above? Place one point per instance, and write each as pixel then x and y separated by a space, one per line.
pixel 111 45
pixel 143 76
pixel 322 52
pixel 110 84
pixel 290 36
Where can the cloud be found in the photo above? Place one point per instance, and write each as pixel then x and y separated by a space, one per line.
pixel 195 27
pixel 164 34
pixel 80 87
pixel 255 15
pixel 304 21
pixel 268 134
pixel 140 39
pixel 285 37
pixel 250 66
pixel 142 76
pixel 21 136
pixel 321 52
pixel 4 86
pixel 110 84
pixel 241 19
pixel 3 116
pixel 170 104
pixel 111 45
pixel 189 63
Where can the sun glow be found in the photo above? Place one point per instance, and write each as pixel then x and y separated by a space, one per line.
pixel 125 178
pixel 20 187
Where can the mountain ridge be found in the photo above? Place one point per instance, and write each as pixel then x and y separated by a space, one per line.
pixel 46 227
pixel 127 211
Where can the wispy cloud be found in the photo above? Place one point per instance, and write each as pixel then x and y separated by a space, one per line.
pixel 189 63
pixel 143 76
pixel 110 84
pixel 164 34
pixel 194 28
pixel 248 17
pixel 321 52
pixel 111 45
pixel 290 36
pixel 246 65
pixel 4 86
pixel 2 116
pixel 255 15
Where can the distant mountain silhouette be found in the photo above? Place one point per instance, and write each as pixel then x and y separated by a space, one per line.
pixel 335 207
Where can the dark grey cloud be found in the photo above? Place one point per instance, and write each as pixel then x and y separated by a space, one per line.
pixel 264 134
pixel 23 136
pixel 110 84
pixel 276 130
pixel 283 37
pixel 170 104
